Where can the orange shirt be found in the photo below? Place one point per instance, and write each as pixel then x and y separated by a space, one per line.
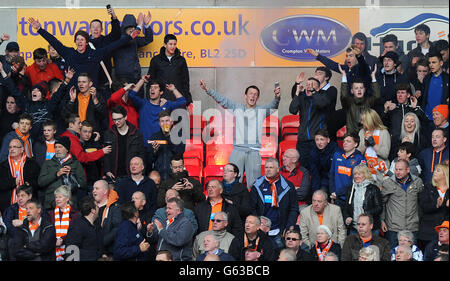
pixel 214 209
pixel 36 75
pixel 320 218
pixel 83 102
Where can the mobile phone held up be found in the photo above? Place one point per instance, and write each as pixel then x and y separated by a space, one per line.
pixel 108 6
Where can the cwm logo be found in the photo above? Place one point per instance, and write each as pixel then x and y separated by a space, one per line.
pixel 290 37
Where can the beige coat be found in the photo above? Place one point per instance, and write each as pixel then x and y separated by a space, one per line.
pixel 400 208
pixel 332 217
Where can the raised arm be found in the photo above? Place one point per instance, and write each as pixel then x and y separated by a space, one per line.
pixel 56 44
pixel 219 98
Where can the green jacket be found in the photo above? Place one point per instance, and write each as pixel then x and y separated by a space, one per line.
pixel 49 181
pixel 400 207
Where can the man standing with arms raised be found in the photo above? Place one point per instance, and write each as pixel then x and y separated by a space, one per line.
pixel 247 137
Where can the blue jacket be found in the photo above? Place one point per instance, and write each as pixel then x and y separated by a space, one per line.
pixel 126 245
pixel 341 172
pixel 176 238
pixel 88 61
pixel 287 201
pixel 148 113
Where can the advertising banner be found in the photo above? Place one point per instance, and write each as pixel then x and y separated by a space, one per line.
pixel 377 23
pixel 214 37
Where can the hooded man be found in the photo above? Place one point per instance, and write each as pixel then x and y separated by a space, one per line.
pixel 126 60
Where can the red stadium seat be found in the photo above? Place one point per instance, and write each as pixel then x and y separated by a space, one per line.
pixel 269 146
pixel 195 144
pixel 289 125
pixel 197 123
pixel 340 136
pixel 213 172
pixel 194 171
pixel 271 125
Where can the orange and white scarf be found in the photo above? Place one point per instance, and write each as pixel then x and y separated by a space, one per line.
pixel 321 253
pixel 26 142
pixel 61 227
pixel 16 172
pixel 273 189
pixel 373 162
pixel 22 213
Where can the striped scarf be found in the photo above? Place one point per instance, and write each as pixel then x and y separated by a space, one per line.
pixel 322 252
pixel 16 172
pixel 26 142
pixel 61 226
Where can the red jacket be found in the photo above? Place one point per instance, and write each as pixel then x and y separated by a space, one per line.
pixel 77 150
pixel 300 178
pixel 36 75
pixel 115 100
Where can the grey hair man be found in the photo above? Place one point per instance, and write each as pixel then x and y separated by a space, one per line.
pixel 219 230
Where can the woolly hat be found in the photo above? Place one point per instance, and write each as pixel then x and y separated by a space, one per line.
pixel 326 229
pixel 64 141
pixel 442 109
pixel 12 46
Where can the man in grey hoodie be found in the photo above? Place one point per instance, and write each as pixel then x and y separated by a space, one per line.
pixel 248 128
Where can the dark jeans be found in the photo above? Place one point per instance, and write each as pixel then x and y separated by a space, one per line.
pixel 304 148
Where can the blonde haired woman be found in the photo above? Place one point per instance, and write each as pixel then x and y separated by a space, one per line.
pixel 433 201
pixel 363 197
pixel 62 217
pixel 375 142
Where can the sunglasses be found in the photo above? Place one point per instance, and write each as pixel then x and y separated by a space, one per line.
pixel 217 220
pixel 291 238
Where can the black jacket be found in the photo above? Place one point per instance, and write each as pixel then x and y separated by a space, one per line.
pixel 134 147
pixel 162 157
pixel 95 113
pixel 174 72
pixel 190 197
pixel 240 196
pixel 335 249
pixel 203 214
pixel 431 215
pixel 269 251
pixel 42 249
pixel 312 113
pixel 8 183
pixel 320 167
pixel 372 204
pixel 126 59
pixel 87 237
pixel 353 244
pixel 125 188
pixel 387 84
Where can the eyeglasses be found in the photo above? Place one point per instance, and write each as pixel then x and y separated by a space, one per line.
pixel 14 146
pixel 217 220
pixel 117 119
pixel 292 238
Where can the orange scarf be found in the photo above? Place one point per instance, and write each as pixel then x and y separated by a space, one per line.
pixel 61 227
pixel 22 213
pixel 322 253
pixel 246 242
pixel 273 189
pixel 440 158
pixel 33 226
pixel 16 172
pixel 26 142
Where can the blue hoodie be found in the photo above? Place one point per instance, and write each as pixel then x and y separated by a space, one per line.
pixel 341 172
